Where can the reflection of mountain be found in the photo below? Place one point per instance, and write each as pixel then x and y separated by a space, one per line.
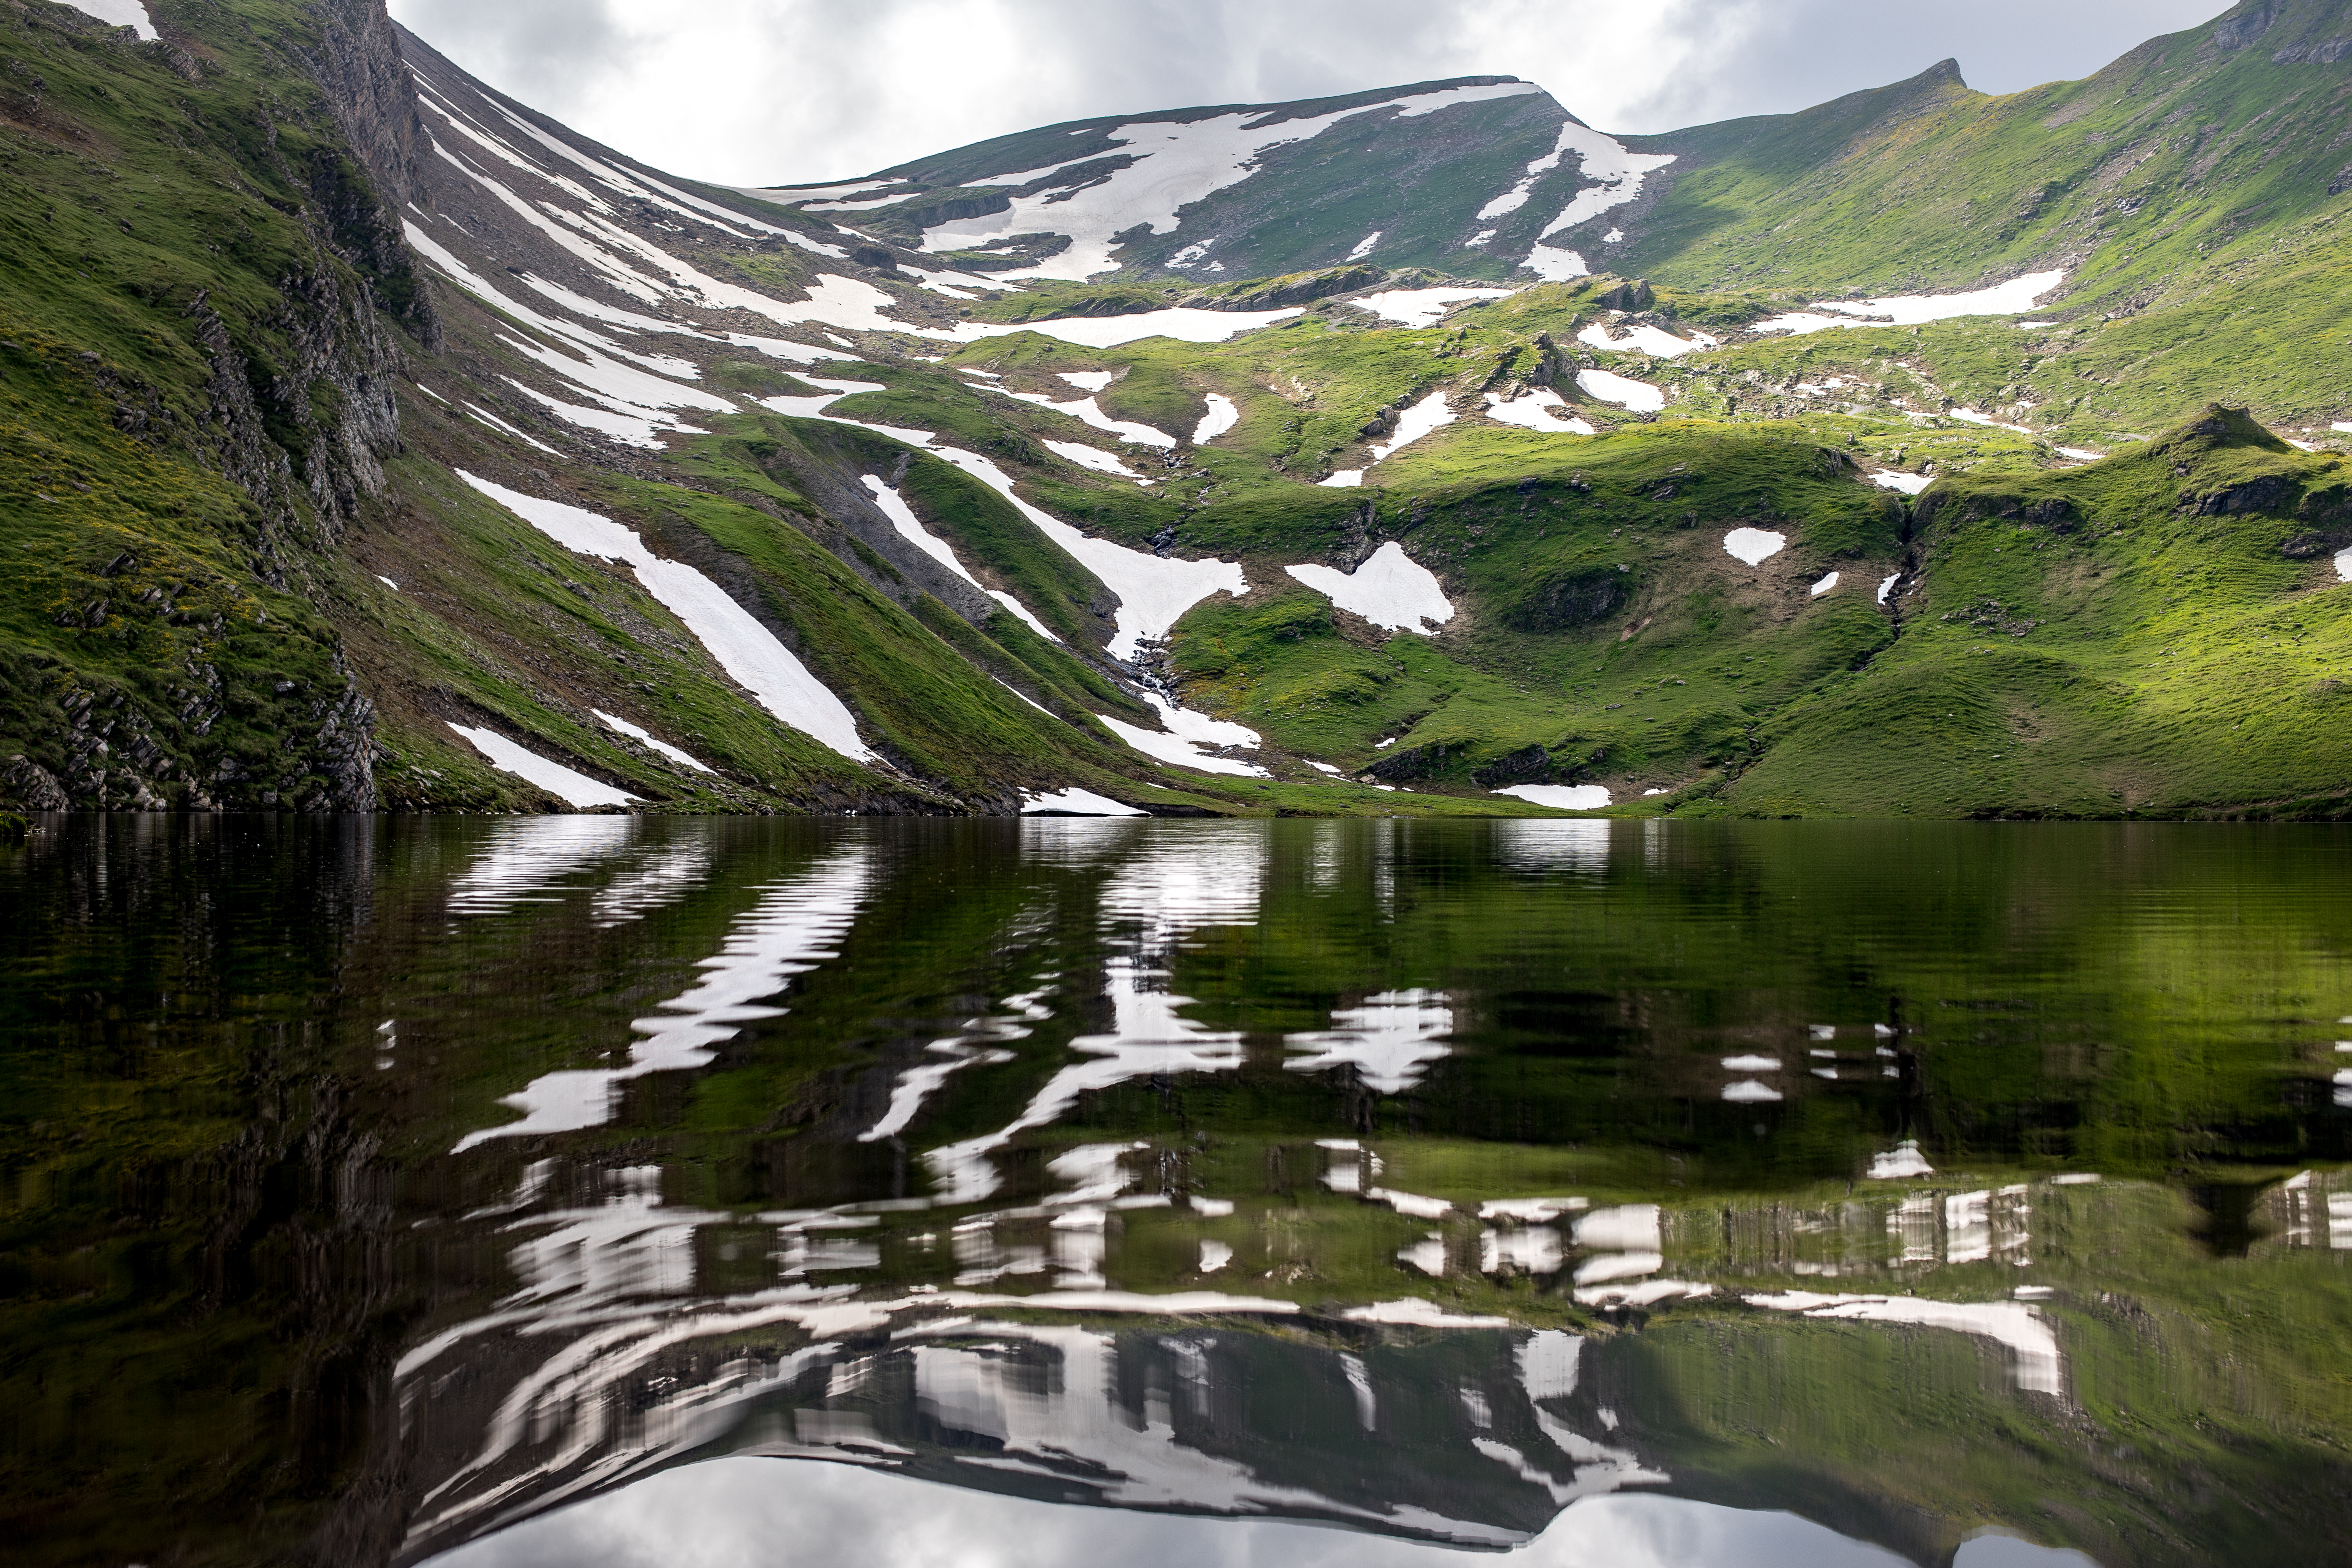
pixel 1472 1440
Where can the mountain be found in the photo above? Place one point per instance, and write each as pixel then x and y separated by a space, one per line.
pixel 1465 175
pixel 374 441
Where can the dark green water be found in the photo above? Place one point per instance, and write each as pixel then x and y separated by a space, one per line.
pixel 601 1191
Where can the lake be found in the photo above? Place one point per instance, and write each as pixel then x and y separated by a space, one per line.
pixel 500 1192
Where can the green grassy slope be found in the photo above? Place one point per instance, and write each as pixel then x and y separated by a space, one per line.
pixel 2193 191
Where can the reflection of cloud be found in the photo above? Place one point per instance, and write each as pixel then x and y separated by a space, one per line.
pixel 736 1510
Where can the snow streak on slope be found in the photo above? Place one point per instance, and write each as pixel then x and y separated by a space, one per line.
pixel 744 649
pixel 576 789
pixel 1604 160
pixel 1176 163
pixel 910 527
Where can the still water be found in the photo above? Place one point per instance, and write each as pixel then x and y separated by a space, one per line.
pixel 611 1192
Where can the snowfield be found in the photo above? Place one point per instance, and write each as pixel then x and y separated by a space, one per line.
pixel 1176 163
pixel 1622 390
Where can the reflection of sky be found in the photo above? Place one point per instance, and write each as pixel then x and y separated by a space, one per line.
pixel 749 1511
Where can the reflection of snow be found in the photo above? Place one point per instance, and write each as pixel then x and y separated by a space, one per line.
pixel 1553 845
pixel 1627 1227
pixel 796 925
pixel 1534 1250
pixel 1900 1163
pixel 1162 888
pixel 1418 1314
pixel 967 1048
pixel 2038 1366
pixel 528 858
pixel 1387 1039
pixel 1428 1254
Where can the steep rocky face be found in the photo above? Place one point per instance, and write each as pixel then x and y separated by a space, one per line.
pixel 256 351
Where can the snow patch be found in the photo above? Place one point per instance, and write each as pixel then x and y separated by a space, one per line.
pixel 1364 246
pixel 1429 414
pixel 1222 416
pixel 1556 266
pixel 748 652
pixel 1389 590
pixel 1909 484
pixel 1754 545
pixel 1086 411
pixel 2344 565
pixel 1623 391
pixel 1617 173
pixel 1823 586
pixel 572 788
pixel 1535 412
pixel 1075 802
pixel 1646 338
pixel 1561 798
pixel 1087 457
pixel 1179 749
pixel 1345 479
pixel 128 14
pixel 1421 307
pixel 1970 416
pixel 1910 309
pixel 1888 584
pixel 2080 454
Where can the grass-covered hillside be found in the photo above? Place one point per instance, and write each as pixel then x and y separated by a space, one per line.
pixel 376 442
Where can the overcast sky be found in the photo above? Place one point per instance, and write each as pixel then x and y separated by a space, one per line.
pixel 776 91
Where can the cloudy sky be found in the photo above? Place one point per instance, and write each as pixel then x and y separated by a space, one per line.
pixel 773 92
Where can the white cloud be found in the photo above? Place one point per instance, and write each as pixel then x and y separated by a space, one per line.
pixel 763 92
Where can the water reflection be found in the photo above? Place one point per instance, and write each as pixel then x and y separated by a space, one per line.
pixel 602 1190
